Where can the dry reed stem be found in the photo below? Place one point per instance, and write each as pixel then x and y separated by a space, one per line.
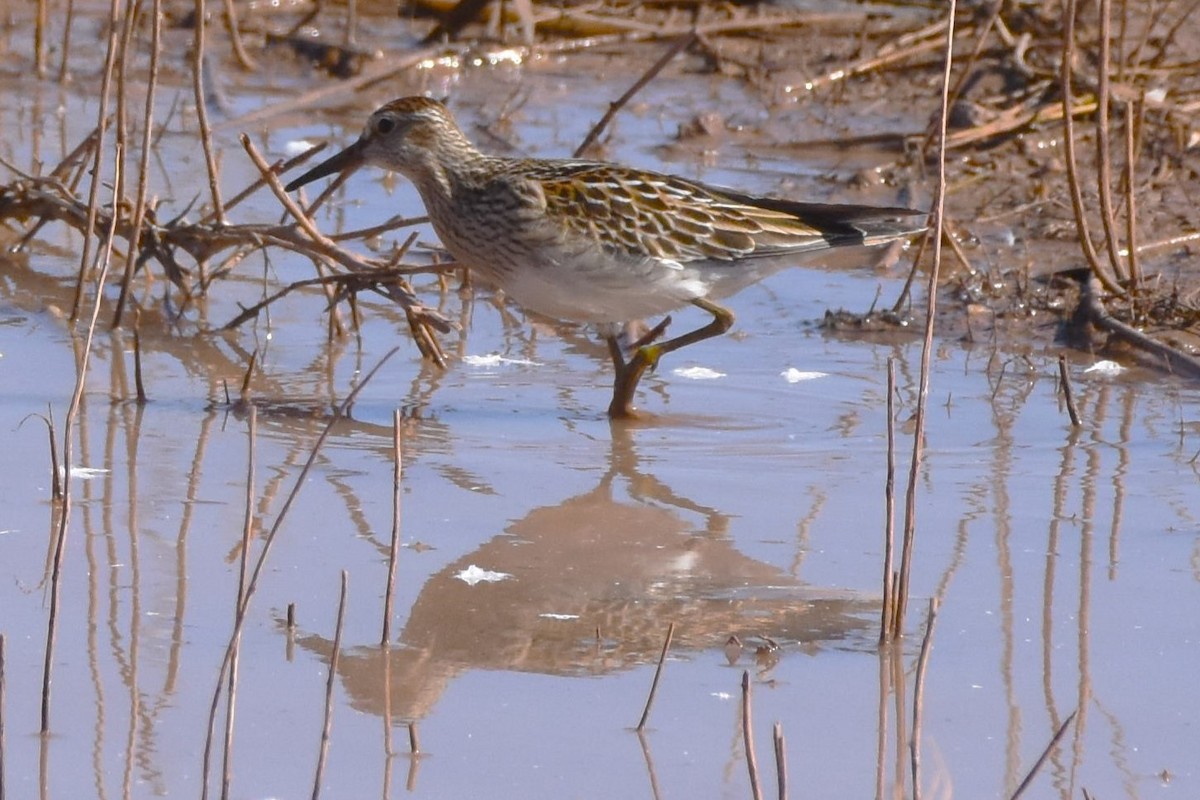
pixel 681 44
pixel 235 38
pixel 394 551
pixel 56 480
pixel 1103 153
pixel 39 37
pixel 331 681
pixel 1064 377
pixel 1131 249
pixel 781 773
pixel 210 159
pixel 748 737
pixel 268 543
pixel 102 123
pixel 1033 771
pixel 137 358
pixel 243 560
pixel 919 697
pixel 1072 164
pixel 887 614
pixel 139 207
pixel 939 204
pixel 68 21
pixel 60 538
pixel 662 658
pixel 2 698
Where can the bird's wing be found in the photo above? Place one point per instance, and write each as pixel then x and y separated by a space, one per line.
pixel 679 220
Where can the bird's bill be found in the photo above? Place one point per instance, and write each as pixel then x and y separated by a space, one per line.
pixel 349 159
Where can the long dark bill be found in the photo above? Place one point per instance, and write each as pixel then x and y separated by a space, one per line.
pixel 349 159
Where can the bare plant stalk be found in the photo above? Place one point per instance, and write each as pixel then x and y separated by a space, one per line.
pixel 662 658
pixel 914 471
pixel 247 535
pixel 235 38
pixel 139 206
pixel 210 160
pixel 327 727
pixel 1068 394
pixel 1104 154
pixel 1045 754
pixel 137 357
pixel 748 737
pixel 68 19
pixel 394 552
pixel 1131 237
pixel 60 539
pixel 39 37
pixel 1081 223
pixel 56 479
pixel 919 697
pixel 2 693
pixel 102 122
pixel 268 541
pixel 780 760
pixel 387 719
pixel 680 44
pixel 886 623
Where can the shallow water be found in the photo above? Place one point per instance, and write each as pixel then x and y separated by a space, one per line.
pixel 1066 562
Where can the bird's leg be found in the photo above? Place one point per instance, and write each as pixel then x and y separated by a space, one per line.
pixel 646 356
pixel 629 373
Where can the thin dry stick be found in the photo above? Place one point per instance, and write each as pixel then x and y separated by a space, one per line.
pixel 2 716
pixel 327 727
pixel 98 161
pixel 919 696
pixel 780 760
pixel 748 737
pixel 886 623
pixel 914 471
pixel 1081 223
pixel 681 44
pixel 210 160
pixel 1103 95
pixel 247 535
pixel 394 552
pixel 68 19
pixel 139 207
pixel 235 38
pixel 1068 394
pixel 1045 754
pixel 137 357
pixel 1131 250
pixel 56 479
pixel 662 658
pixel 60 539
pixel 39 37
pixel 261 561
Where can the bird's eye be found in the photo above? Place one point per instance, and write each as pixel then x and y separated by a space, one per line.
pixel 385 125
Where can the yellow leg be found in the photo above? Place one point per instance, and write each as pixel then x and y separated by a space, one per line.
pixel 647 355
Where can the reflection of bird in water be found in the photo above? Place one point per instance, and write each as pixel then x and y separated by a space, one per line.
pixel 591 585
pixel 601 243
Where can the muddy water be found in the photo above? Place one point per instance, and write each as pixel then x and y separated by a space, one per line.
pixel 1066 561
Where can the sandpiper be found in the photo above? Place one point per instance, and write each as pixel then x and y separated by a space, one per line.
pixel 600 243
